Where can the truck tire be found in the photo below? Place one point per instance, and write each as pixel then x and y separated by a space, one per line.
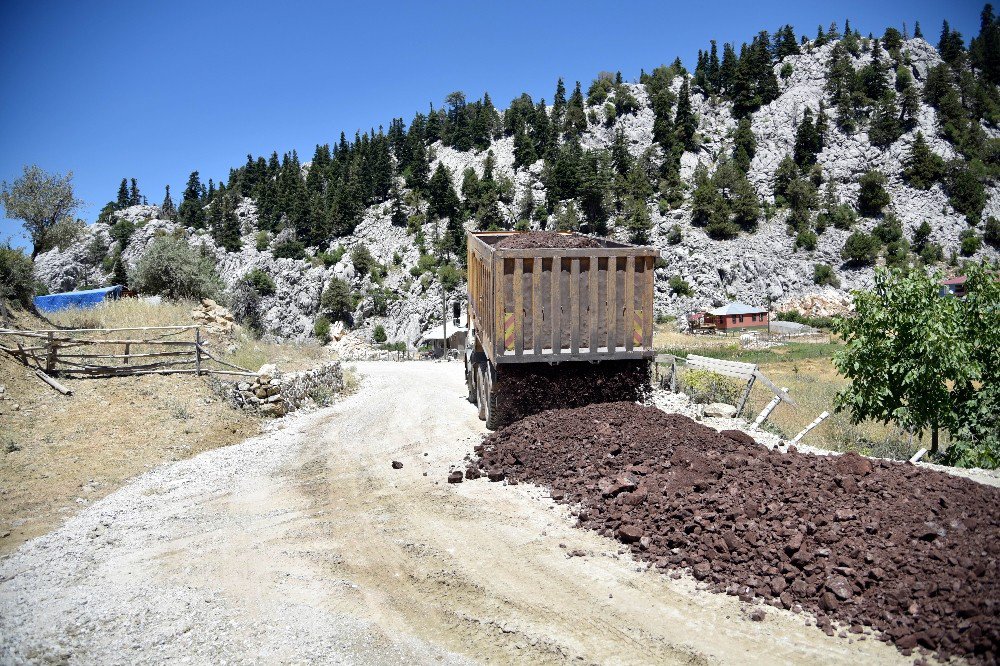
pixel 470 381
pixel 493 420
pixel 481 398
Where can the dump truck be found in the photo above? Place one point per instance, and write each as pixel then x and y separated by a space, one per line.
pixel 555 326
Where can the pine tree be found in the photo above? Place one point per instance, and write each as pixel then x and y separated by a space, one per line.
pixel 704 196
pixel 872 197
pixel 524 149
pixel 783 177
pixel 744 145
pixel 685 122
pixel 575 123
pixel 191 212
pixel 922 167
pixel 224 223
pixel 123 198
pixel 134 198
pixel 559 103
pixel 398 214
pixel 808 141
pixel 168 210
pixel 885 126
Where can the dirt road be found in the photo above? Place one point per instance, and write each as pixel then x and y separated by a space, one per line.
pixel 304 544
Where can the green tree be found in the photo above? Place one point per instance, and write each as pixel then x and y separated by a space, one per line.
pixel 337 300
pixel 192 210
pixel 861 249
pixel 823 274
pixel 378 335
pixel 872 197
pixel 808 141
pixel 744 145
pixel 171 267
pixel 41 201
pixel 575 123
pixel 685 120
pixel 922 167
pixel 123 199
pixel 167 209
pixel 17 278
pixel 918 359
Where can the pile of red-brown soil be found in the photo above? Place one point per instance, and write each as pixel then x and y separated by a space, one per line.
pixel 530 240
pixel 911 553
pixel 530 388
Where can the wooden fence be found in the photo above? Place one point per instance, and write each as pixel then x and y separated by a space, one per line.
pixel 115 352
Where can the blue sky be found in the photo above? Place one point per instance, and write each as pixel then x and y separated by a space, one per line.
pixel 155 90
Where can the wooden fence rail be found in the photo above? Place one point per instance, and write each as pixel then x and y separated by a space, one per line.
pixel 117 356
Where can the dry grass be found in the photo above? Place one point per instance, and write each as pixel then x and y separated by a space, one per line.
pixel 126 313
pixel 288 356
pixel 807 371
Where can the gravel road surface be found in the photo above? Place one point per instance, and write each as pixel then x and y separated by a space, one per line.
pixel 305 545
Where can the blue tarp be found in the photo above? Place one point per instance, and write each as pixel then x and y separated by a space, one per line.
pixel 77 299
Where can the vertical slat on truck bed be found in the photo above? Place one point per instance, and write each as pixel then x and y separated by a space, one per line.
pixel 612 304
pixel 556 305
pixel 648 300
pixel 518 307
pixel 537 309
pixel 574 305
pixel 629 301
pixel 592 290
pixel 498 307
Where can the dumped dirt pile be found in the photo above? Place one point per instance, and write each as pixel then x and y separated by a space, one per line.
pixel 536 239
pixel 530 388
pixel 910 552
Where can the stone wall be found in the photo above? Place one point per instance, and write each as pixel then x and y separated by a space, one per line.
pixel 274 393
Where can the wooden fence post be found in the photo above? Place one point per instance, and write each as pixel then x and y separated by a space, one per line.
pixel 819 419
pixel 128 345
pixel 197 351
pixel 746 395
pixel 50 358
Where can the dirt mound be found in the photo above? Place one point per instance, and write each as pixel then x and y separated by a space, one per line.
pixel 537 239
pixel 522 390
pixel 912 553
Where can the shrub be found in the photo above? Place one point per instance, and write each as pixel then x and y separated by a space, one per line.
pixel 679 286
pixel 966 191
pixel 337 300
pixel 786 70
pixel 860 248
pixel 172 268
pixel 263 240
pixel 261 282
pixel 331 258
pixel 379 335
pixel 872 197
pixel 969 242
pixel 806 239
pixel 674 235
pixel 798 318
pixel 823 274
pixel 17 276
pixel 244 303
pixel 364 262
pixel 931 253
pixel 121 232
pixel 380 301
pixel 992 232
pixel 449 276
pixel 705 387
pixel 321 328
pixel 888 230
pixel 289 249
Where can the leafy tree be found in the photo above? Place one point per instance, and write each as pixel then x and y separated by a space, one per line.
pixel 924 361
pixel 40 200
pixel 965 189
pixel 378 335
pixel 872 197
pixel 171 267
pixel 17 278
pixel 861 249
pixel 261 282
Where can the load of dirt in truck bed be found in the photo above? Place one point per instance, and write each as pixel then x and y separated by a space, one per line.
pixel 538 239
pixel 529 388
pixel 912 553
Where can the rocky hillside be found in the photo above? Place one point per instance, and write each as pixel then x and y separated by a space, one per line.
pixel 765 260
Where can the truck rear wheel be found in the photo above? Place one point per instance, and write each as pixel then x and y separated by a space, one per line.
pixel 493 420
pixel 481 398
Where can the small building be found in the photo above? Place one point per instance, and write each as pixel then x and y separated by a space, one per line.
pixel 87 298
pixel 434 338
pixel 737 317
pixel 954 286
